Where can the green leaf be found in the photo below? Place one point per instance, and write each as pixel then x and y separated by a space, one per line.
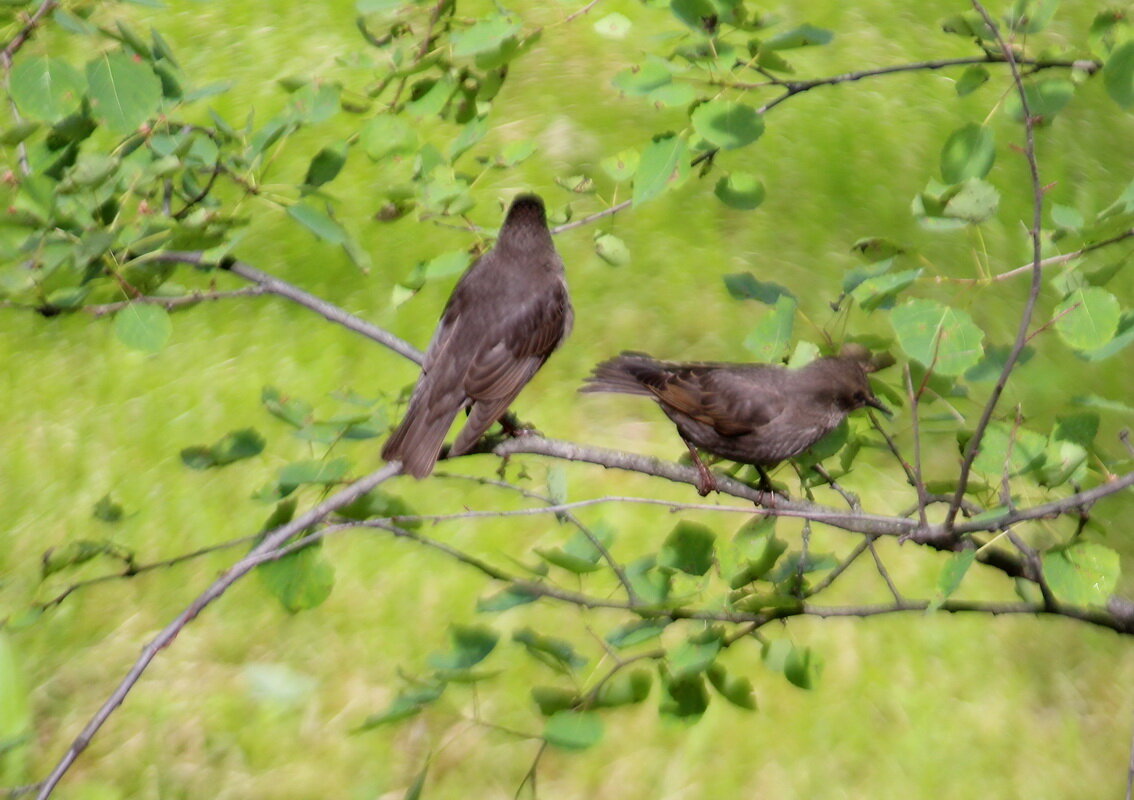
pixel 672 95
pixel 971 79
pixel 232 447
pixel 107 510
pixel 643 79
pixel 1123 337
pixel 471 645
pixel 740 190
pixel 557 653
pixel 418 786
pixel 625 688
pixel 506 598
pixel 803 36
pixel 770 339
pixel 1088 318
pixel 727 124
pixel 692 657
pixel 387 135
pixel 880 291
pixel 19 132
pixel 573 730
pixel 758 549
pixel 1106 28
pixel 613 26
pixel 633 633
pixel 552 699
pixel 406 704
pixel 951 575
pixel 745 286
pixel 796 663
pixel 143 326
pixel 79 552
pixel 318 222
pixel 1031 16
pixel 1067 217
pixel 992 364
pixel 969 152
pixel 650 583
pixel 485 35
pixel 684 697
pixel 664 162
pixel 1046 98
pixel 1028 450
pixel 937 335
pixel 694 13
pixel 124 93
pixel 314 471
pixel 689 548
pixel 975 201
pixel 1106 404
pixel 300 580
pixel 737 690
pixel 326 165
pixel 1084 574
pixel 290 409
pixel 45 88
pixel 611 249
pixel 621 166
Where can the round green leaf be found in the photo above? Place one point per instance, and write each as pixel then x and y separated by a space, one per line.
pixel 689 548
pixel 124 92
pixel 971 79
pixel 471 645
pixel 573 730
pixel 643 79
pixel 143 326
pixel 968 153
pixel 621 166
pixel 1088 318
pixel 1046 98
pixel 727 124
pixel 46 88
pixel 1118 74
pixel 611 249
pixel 300 581
pixel 613 26
pixel 387 135
pixel 740 190
pixel 486 34
pixel 318 222
pixel 1083 574
pixel 663 162
pixel 937 335
pixel 974 201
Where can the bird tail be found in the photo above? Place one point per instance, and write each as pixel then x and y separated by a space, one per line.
pixel 627 373
pixel 417 441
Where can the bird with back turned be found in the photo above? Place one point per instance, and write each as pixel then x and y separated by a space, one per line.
pixel 758 414
pixel 506 315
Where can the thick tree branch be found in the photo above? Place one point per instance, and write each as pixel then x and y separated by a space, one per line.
pixel 973 447
pixel 265 551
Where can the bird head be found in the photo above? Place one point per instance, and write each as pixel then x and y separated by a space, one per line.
pixel 842 381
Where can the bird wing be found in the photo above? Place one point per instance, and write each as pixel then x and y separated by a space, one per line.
pixel 523 341
pixel 722 397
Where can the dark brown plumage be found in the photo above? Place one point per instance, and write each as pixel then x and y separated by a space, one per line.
pixel 756 414
pixel 507 314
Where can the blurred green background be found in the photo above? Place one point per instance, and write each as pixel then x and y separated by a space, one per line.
pixel 253 703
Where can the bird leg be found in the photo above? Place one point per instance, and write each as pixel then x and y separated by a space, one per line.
pixel 514 428
pixel 705 481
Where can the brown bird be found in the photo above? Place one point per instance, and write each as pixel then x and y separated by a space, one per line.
pixel 757 414
pixel 506 315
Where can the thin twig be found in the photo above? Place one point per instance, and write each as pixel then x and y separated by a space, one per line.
pixel 973 446
pixel 833 575
pixel 171 303
pixel 919 479
pixel 1051 261
pixel 883 571
pixel 265 551
pixel 587 220
pixel 581 11
pixel 274 285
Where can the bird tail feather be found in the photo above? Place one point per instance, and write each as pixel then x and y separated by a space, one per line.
pixel 417 441
pixel 627 373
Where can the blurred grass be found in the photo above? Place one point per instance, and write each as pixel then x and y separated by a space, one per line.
pixel 905 706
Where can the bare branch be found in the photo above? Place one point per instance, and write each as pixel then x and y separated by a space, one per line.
pixel 265 551
pixel 973 447
pixel 26 31
pixel 274 285
pixel 587 220
pixel 171 303
pixel 1051 261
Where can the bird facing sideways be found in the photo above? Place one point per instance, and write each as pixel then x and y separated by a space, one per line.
pixel 757 414
pixel 506 315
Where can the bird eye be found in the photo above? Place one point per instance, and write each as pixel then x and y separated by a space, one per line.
pixel 860 397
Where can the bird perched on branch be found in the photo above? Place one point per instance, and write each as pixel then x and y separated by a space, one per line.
pixel 506 315
pixel 757 414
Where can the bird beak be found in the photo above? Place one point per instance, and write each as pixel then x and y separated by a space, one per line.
pixel 874 402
